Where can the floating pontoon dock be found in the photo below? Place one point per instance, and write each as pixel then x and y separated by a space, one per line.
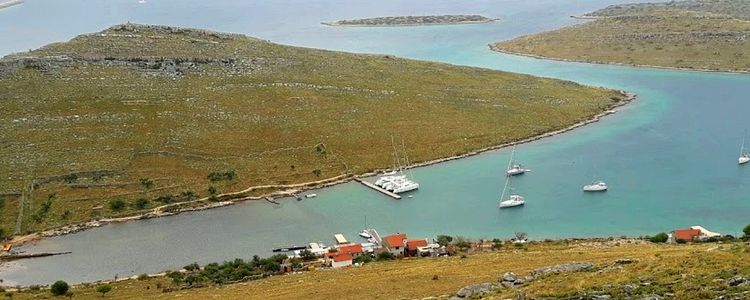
pixel 379 189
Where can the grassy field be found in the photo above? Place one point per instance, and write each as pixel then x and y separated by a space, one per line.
pixel 116 122
pixel 707 35
pixel 690 271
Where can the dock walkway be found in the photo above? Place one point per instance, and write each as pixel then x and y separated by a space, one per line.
pixel 377 188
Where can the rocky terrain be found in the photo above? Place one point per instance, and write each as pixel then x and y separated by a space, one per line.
pixel 413 21
pixel 700 35
pixel 137 117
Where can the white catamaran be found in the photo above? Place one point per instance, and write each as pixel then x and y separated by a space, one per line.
pixel 744 156
pixel 513 199
pixel 396 181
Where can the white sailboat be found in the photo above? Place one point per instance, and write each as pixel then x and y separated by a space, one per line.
pixel 514 168
pixel 744 156
pixel 365 233
pixel 596 186
pixel 513 199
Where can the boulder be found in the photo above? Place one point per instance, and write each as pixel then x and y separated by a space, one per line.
pixel 571 267
pixel 624 261
pixel 651 297
pixel 509 277
pixel 736 280
pixel 475 290
pixel 528 278
pixel 628 288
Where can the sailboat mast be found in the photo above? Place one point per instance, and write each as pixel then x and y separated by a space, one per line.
pixel 742 148
pixel 406 157
pixel 502 195
pixel 512 154
pixel 395 154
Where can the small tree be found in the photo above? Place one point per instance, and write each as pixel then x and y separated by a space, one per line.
pixel 384 256
pixel 59 288
pixel 147 183
pixel 746 231
pixel 141 203
pixel 659 238
pixel 444 240
pixel 192 267
pixel 117 204
pixel 103 289
pixel 306 255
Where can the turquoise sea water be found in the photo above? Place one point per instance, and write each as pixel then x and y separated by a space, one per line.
pixel 669 157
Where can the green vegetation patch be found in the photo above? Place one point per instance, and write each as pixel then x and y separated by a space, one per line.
pixel 100 123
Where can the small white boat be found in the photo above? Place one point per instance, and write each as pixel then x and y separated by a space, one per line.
pixel 596 186
pixel 514 200
pixel 516 170
pixel 311 195
pixel 744 156
pixel 365 234
pixel 513 168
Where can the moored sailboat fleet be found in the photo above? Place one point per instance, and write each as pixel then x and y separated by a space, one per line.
pixel 396 181
pixel 515 200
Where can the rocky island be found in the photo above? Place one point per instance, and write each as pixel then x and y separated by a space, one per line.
pixel 413 21
pixel 694 34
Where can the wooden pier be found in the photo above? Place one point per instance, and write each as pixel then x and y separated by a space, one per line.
pixel 377 188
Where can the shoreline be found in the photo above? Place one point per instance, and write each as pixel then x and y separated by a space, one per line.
pixel 336 24
pixel 10 3
pixel 496 49
pixel 292 189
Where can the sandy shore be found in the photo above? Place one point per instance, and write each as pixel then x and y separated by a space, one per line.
pixel 336 24
pixel 291 189
pixel 496 49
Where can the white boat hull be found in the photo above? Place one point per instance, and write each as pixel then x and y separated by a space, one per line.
pixel 743 159
pixel 594 188
pixel 515 200
pixel 597 186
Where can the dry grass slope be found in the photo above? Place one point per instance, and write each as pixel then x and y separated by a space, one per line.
pixel 697 271
pixel 89 119
pixel 681 35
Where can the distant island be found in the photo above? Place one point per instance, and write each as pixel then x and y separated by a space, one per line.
pixel 695 34
pixel 413 21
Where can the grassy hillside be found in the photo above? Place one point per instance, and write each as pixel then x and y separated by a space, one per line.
pixel 136 116
pixel 692 34
pixel 691 271
pixel 735 8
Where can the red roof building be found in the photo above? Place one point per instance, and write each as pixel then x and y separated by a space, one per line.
pixel 395 240
pixel 342 257
pixel 351 249
pixel 686 234
pixel 411 245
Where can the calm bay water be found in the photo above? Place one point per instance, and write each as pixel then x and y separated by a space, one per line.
pixel 669 157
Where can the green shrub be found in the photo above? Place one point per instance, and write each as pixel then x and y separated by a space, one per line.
pixel 659 238
pixel 103 289
pixel 59 288
pixel 117 204
pixel 384 256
